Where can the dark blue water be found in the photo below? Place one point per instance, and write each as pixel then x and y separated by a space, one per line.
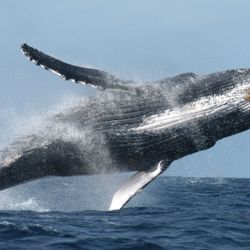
pixel 172 213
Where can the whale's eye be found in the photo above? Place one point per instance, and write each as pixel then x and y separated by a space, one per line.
pixel 247 95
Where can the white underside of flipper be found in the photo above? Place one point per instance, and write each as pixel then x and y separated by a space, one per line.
pixel 135 184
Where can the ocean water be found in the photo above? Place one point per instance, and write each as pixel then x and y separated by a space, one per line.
pixel 171 213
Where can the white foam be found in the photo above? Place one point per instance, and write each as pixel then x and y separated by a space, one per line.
pixel 11 201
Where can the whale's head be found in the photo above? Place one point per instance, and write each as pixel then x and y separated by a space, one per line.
pixel 210 108
pixel 211 98
pixel 238 95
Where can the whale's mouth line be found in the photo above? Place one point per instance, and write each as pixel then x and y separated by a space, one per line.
pixel 205 106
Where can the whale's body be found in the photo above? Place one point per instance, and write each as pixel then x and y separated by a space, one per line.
pixel 129 127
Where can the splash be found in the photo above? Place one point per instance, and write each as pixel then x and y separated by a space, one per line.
pixel 77 193
pixel 10 200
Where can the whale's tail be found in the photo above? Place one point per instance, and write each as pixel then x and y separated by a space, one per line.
pixel 97 78
pixel 58 158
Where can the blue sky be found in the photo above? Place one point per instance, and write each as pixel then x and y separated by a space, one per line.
pixel 132 39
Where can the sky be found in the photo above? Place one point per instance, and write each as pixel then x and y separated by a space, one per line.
pixel 138 40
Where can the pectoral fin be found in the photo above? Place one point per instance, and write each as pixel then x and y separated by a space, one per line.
pixel 97 78
pixel 136 183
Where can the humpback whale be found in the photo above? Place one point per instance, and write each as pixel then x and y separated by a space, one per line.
pixel 128 126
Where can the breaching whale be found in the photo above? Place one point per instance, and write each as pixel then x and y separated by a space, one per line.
pixel 128 126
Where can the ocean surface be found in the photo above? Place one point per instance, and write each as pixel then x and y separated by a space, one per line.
pixel 171 213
